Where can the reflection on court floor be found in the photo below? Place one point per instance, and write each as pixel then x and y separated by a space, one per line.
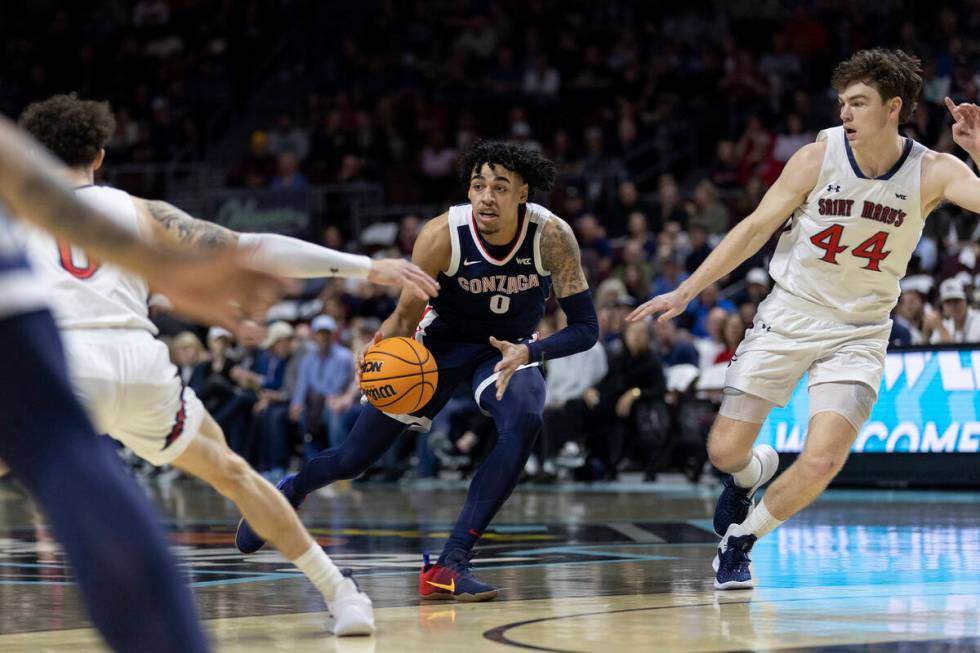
pixel 579 571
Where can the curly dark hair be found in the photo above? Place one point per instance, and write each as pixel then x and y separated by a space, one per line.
pixel 73 129
pixel 537 172
pixel 893 73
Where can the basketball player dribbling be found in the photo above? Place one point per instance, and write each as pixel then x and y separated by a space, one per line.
pixel 858 198
pixel 496 259
pixel 118 552
pixel 124 375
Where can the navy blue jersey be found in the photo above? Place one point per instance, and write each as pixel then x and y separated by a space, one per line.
pixel 481 295
pixel 20 290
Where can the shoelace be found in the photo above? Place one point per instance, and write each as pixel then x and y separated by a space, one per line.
pixel 461 564
pixel 739 557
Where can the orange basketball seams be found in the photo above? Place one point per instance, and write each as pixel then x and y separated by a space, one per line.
pixel 399 375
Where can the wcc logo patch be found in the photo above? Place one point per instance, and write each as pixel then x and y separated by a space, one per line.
pixel 371 367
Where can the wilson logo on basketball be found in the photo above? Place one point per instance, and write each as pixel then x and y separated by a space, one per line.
pixel 382 392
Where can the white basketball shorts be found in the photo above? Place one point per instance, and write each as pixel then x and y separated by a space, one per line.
pixel 790 336
pixel 132 391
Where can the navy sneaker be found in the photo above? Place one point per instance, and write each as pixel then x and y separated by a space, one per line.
pixel 732 564
pixel 735 503
pixel 452 579
pixel 246 539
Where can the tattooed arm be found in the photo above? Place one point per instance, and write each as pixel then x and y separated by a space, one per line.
pixel 169 225
pixel 35 187
pixel 287 257
pixel 560 255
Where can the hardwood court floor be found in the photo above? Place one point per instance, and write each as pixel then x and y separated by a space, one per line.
pixel 612 568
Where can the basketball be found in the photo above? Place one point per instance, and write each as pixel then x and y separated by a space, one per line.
pixel 399 375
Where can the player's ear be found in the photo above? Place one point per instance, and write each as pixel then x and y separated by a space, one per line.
pixel 99 158
pixel 523 193
pixel 895 106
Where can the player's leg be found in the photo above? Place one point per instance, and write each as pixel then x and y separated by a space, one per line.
pixel 127 576
pixel 209 458
pixel 730 449
pixel 518 417
pixel 837 412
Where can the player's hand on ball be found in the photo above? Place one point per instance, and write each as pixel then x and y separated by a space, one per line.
pixel 360 356
pixel 669 305
pixel 399 272
pixel 513 357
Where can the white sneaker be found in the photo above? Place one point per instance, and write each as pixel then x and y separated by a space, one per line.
pixel 351 609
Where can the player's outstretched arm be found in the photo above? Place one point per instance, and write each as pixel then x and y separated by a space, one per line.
pixel 560 255
pixel 35 186
pixel 746 238
pixel 282 255
pixel 947 178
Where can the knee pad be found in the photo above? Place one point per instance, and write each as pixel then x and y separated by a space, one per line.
pixel 744 407
pixel 852 400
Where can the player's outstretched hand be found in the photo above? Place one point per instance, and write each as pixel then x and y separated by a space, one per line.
pixel 669 305
pixel 513 357
pixel 215 289
pixel 966 129
pixel 399 272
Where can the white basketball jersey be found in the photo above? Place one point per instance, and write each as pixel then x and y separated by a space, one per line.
pixel 20 290
pixel 85 293
pixel 849 244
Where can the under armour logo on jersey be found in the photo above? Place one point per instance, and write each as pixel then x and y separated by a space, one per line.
pixel 524 261
pixel 465 262
pixel 833 188
pixel 900 196
pixel 765 327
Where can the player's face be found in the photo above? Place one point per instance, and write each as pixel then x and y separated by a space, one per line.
pixel 865 114
pixel 496 193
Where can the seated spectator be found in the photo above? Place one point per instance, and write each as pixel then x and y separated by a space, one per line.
pixel 271 424
pixel 638 233
pixel 288 176
pixel 566 415
pixel 732 333
pixel 186 353
pixel 713 342
pixel 671 275
pixel 211 380
pixel 756 288
pixel 912 306
pixel 597 254
pixel 700 249
pixel 707 211
pixel 257 166
pixel 673 346
pixel 325 376
pixel 697 311
pixel 631 399
pixel 287 138
pixel 961 322
pixel 724 170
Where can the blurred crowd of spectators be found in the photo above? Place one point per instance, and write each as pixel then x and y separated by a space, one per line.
pixel 668 123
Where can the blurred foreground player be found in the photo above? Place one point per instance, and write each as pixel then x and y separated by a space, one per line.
pixel 496 259
pixel 124 375
pixel 858 199
pixel 129 581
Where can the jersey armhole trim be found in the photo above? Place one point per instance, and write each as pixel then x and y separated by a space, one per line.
pixel 540 223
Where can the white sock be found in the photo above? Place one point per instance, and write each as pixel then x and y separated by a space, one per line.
pixel 750 474
pixel 758 523
pixel 321 571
